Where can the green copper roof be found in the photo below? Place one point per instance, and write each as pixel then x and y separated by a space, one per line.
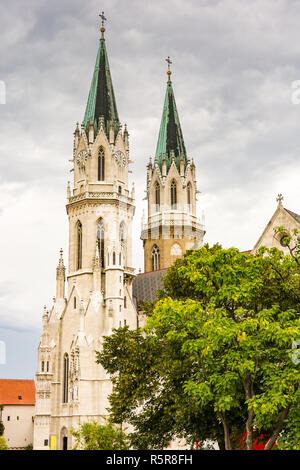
pixel 170 137
pixel 101 101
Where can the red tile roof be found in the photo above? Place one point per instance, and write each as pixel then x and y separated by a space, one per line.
pixel 17 392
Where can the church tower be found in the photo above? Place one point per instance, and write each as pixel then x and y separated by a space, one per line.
pixel 171 227
pixel 71 387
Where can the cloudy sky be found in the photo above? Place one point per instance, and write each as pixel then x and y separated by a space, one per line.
pixel 234 62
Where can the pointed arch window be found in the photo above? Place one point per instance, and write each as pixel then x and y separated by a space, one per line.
pixel 79 245
pixel 189 197
pixel 155 254
pixel 173 195
pixel 101 164
pixel 66 379
pixel 100 239
pixel 157 196
pixel 122 232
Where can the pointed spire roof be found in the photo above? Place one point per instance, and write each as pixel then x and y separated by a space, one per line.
pixel 170 139
pixel 101 101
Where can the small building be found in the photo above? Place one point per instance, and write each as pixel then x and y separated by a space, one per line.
pixel 18 400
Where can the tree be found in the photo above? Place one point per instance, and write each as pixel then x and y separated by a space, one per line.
pixel 94 436
pixel 3 444
pixel 219 341
pixel 2 428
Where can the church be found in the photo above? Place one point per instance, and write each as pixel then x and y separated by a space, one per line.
pixel 100 290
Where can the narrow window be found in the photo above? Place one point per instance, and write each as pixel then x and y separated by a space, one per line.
pixel 122 232
pixel 101 164
pixel 189 195
pixel 47 366
pixel 120 259
pixel 100 238
pixel 155 253
pixel 120 189
pixel 173 195
pixel 157 197
pixel 66 379
pixel 125 302
pixel 79 245
pixel 74 302
pixel 18 418
pixel 43 366
pixel 8 418
pixel 114 258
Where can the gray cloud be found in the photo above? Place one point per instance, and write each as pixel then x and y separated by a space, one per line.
pixel 233 65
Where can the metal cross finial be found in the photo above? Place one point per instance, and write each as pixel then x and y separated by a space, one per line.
pixel 102 18
pixel 279 198
pixel 169 62
pixel 102 29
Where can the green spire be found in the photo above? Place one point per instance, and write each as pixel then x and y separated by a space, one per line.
pixel 101 101
pixel 170 139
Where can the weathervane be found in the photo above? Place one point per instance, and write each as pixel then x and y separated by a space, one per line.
pixel 169 62
pixel 102 29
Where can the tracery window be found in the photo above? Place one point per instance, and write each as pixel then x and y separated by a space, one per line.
pixel 155 254
pixel 173 195
pixel 101 164
pixel 157 196
pixel 79 245
pixel 100 239
pixel 66 379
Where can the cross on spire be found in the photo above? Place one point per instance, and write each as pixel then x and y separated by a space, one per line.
pixel 279 199
pixel 169 62
pixel 102 29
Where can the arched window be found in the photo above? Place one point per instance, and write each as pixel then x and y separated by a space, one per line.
pixel 173 195
pixel 157 196
pixel 101 164
pixel 47 366
pixel 66 379
pixel 114 258
pixel 100 238
pixel 122 232
pixel 43 366
pixel 176 250
pixel 79 245
pixel 155 254
pixel 189 192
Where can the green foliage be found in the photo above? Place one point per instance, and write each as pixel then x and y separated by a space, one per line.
pixel 29 447
pixel 3 444
pixel 215 358
pixel 2 428
pixel 94 436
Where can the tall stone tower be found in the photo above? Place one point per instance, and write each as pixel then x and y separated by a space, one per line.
pixel 71 387
pixel 171 227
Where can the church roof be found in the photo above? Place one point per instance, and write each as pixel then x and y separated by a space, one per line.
pixel 170 138
pixel 145 286
pixel 294 215
pixel 101 101
pixel 17 392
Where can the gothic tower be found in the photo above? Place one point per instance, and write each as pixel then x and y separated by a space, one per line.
pixel 71 387
pixel 172 227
